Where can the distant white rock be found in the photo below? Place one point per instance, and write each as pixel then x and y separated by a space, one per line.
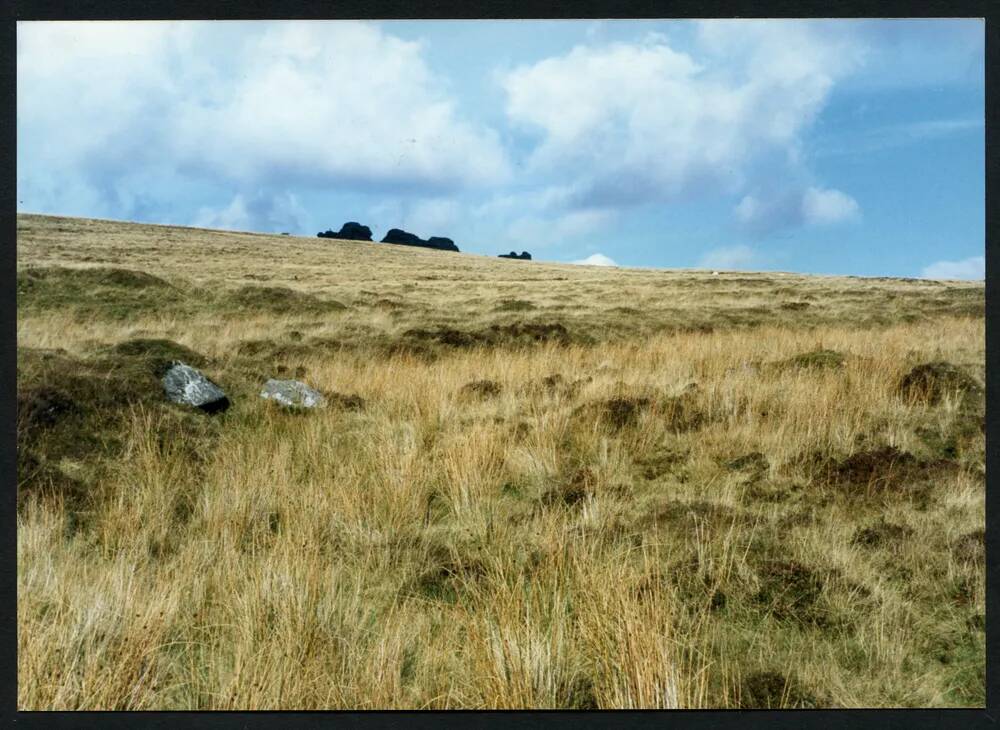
pixel 292 393
pixel 715 273
pixel 597 259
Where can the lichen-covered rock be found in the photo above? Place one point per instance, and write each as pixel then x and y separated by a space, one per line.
pixel 186 386
pixel 292 393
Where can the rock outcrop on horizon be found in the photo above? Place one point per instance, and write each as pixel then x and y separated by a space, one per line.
pixel 354 231
pixel 401 237
pixel 525 256
pixel 350 231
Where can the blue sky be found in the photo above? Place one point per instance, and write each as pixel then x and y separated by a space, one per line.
pixel 824 146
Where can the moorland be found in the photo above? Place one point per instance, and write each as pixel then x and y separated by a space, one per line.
pixel 534 485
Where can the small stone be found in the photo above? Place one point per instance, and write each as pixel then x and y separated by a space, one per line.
pixel 187 386
pixel 292 394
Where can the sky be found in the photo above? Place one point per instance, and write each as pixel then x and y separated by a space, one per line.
pixel 816 146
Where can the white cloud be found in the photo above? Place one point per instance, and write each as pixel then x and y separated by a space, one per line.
pixel 596 259
pixel 786 208
pixel 90 110
pixel 813 54
pixel 970 268
pixel 642 122
pixel 823 207
pixel 320 104
pixel 337 101
pixel 729 257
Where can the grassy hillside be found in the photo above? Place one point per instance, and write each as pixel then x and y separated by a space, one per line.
pixel 535 485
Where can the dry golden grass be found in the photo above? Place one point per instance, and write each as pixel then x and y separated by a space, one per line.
pixel 610 538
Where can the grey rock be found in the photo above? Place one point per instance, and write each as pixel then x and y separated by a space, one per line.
pixel 292 393
pixel 396 235
pixel 187 386
pixel 350 231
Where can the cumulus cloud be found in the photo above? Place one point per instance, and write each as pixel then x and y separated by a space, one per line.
pixel 643 122
pixel 342 102
pixel 728 257
pixel 973 268
pixel 596 259
pixel 786 208
pixel 91 104
pixel 320 104
pixel 823 207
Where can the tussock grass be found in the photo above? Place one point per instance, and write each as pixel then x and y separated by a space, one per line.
pixel 703 499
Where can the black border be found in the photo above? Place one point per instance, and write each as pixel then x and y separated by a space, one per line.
pixel 486 9
pixel 992 352
pixel 483 9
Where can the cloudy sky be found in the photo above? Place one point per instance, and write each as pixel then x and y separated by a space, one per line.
pixel 844 147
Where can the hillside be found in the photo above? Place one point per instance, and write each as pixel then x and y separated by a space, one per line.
pixel 535 485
